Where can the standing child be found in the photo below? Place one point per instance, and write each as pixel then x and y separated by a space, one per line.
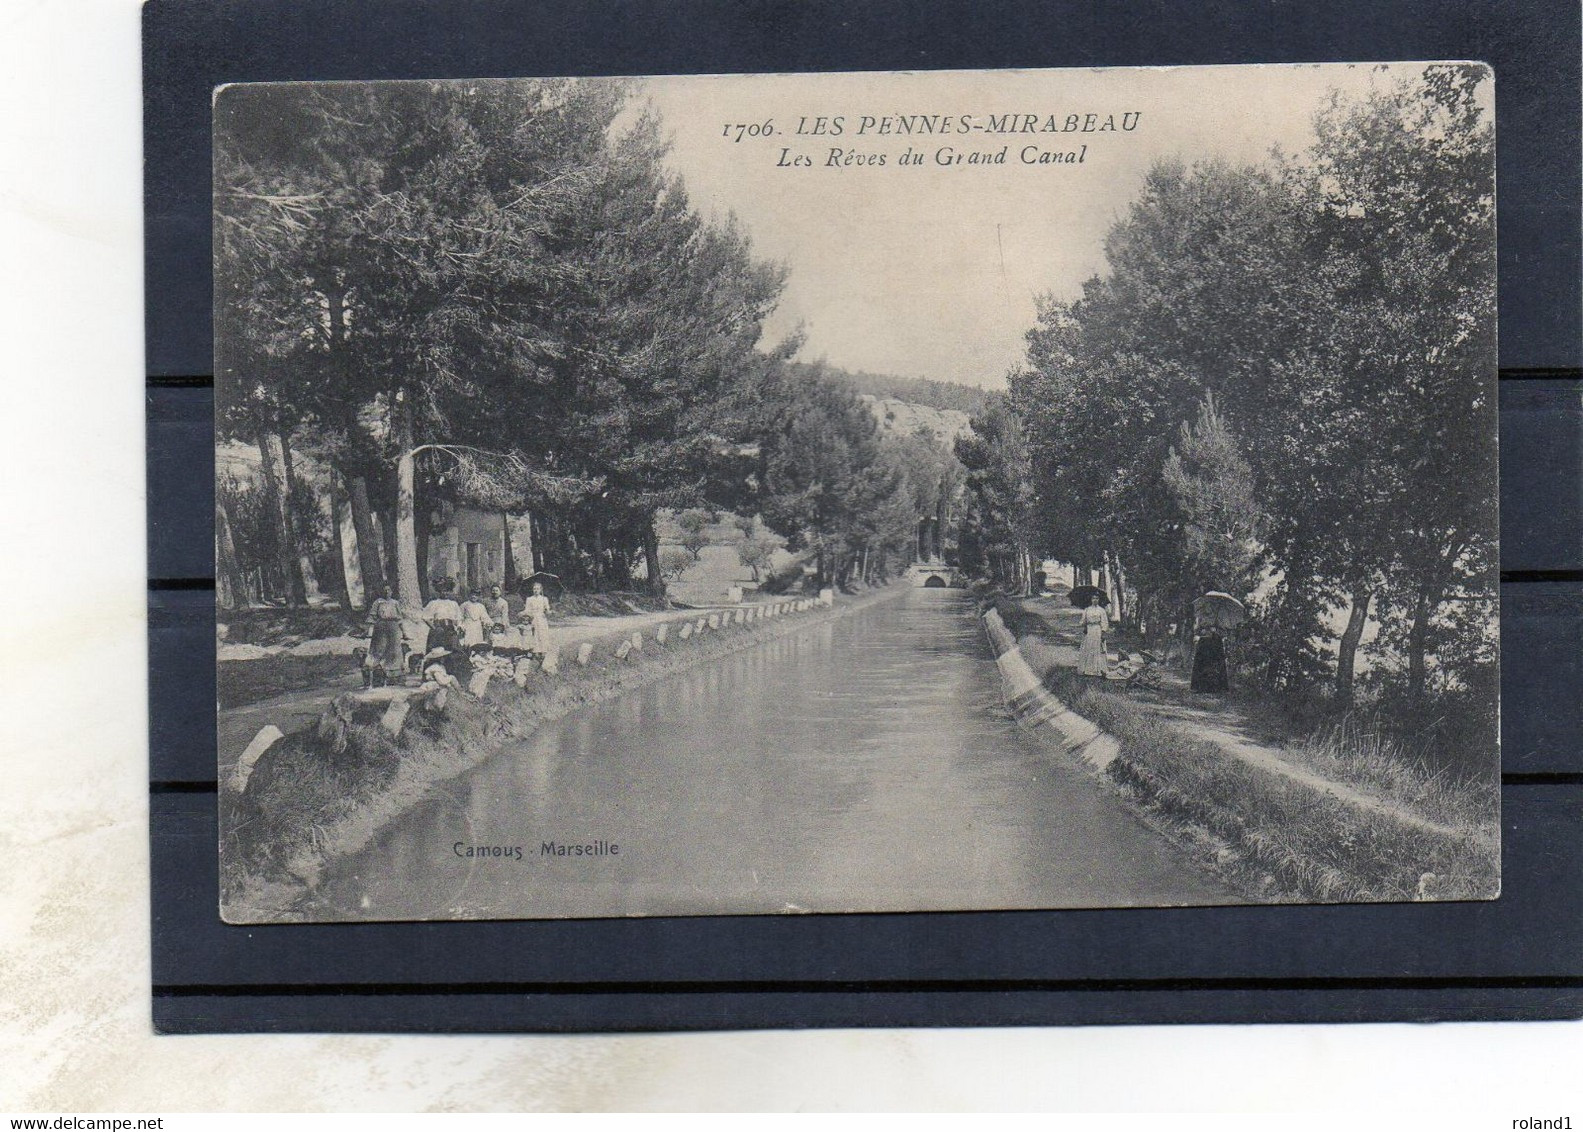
pixel 475 623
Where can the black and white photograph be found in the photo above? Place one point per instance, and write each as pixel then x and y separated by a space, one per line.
pixel 856 492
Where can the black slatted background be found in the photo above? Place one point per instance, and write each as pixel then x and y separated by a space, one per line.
pixel 1518 957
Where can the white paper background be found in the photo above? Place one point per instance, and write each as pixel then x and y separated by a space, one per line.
pixel 74 1009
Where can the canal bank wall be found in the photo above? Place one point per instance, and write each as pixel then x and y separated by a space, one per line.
pixel 325 791
pixel 1034 705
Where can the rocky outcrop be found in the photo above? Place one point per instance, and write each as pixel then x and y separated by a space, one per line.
pixel 904 418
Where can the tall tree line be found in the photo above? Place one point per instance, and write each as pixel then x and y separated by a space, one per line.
pixel 495 293
pixel 478 288
pixel 1282 387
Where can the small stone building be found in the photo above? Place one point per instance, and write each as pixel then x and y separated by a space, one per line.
pixel 468 545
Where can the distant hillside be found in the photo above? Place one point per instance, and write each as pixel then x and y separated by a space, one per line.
pixel 904 418
pixel 914 390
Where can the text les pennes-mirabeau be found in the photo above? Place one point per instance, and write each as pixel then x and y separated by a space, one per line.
pixel 908 125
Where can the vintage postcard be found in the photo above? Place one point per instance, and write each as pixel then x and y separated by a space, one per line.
pixel 856 492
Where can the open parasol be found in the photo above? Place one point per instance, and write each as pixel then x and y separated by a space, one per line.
pixel 1085 596
pixel 1217 610
pixel 552 583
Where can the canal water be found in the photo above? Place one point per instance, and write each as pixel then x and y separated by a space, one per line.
pixel 865 764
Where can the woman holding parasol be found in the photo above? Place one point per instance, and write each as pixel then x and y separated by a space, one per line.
pixel 1096 623
pixel 1213 614
pixel 536 615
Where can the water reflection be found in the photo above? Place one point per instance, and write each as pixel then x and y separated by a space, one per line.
pixel 864 764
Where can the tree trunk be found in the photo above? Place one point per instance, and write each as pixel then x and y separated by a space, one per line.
pixel 1287 640
pixel 508 560
pixel 387 542
pixel 1418 645
pixel 621 566
pixel 599 556
pixel 548 553
pixel 939 522
pixel 1117 590
pixel 1347 652
pixel 368 549
pixel 231 581
pixel 303 581
pixel 651 559
pixel 519 549
pixel 571 556
pixel 277 510
pixel 408 589
pixel 349 588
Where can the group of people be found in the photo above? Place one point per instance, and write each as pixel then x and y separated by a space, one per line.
pixel 1210 675
pixel 453 632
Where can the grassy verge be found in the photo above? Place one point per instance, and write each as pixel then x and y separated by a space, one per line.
pixel 1359 749
pixel 1302 839
pixel 1429 834
pixel 325 791
pixel 242 682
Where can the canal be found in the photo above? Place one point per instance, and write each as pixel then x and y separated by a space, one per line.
pixel 864 764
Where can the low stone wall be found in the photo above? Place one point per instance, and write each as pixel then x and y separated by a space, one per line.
pixel 1034 705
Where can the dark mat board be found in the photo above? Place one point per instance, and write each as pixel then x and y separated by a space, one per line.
pixel 1516 957
pixel 1530 931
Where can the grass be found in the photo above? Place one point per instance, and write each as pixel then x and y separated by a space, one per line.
pixel 1421 768
pixel 288 625
pixel 1360 749
pixel 242 682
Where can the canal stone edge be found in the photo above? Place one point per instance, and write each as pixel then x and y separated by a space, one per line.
pixel 1034 705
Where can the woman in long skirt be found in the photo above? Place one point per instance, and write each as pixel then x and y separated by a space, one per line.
pixel 384 661
pixel 1091 656
pixel 1209 664
pixel 444 615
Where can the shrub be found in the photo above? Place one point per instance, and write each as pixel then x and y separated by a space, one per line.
pixel 674 561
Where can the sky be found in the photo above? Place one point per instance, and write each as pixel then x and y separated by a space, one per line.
pixel 933 270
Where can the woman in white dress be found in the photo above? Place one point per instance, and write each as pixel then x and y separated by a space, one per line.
pixel 536 612
pixel 1091 656
pixel 475 622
